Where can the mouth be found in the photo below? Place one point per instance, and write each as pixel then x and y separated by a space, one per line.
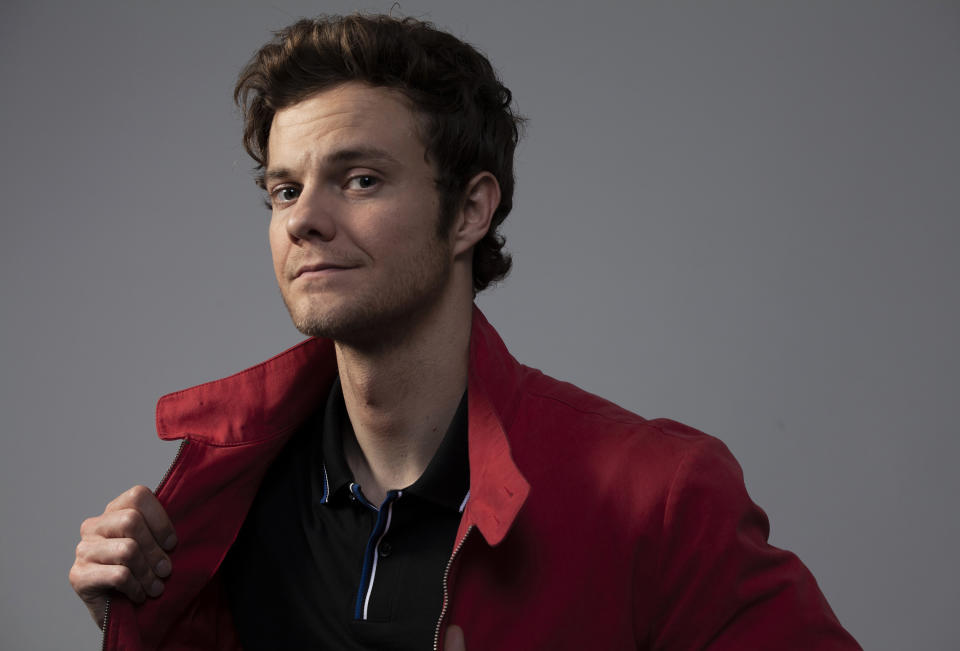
pixel 319 269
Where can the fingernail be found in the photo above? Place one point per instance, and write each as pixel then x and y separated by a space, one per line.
pixel 170 542
pixel 163 567
pixel 156 588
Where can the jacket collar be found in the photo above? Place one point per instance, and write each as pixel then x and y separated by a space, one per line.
pixel 274 397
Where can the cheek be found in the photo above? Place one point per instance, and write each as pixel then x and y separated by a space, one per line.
pixel 279 245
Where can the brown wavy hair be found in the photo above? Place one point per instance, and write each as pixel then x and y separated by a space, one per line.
pixel 467 122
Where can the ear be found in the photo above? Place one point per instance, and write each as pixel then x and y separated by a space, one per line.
pixel 480 199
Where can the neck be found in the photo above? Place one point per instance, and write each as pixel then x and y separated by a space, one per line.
pixel 401 395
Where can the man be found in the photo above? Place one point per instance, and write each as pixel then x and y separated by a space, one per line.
pixel 399 481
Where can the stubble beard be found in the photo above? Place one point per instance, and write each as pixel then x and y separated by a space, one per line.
pixel 376 314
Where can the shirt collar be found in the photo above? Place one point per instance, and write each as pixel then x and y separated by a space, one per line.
pixel 445 481
pixel 447 477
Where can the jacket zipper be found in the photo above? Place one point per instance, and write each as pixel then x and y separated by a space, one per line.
pixel 103 627
pixel 163 480
pixel 176 458
pixel 446 575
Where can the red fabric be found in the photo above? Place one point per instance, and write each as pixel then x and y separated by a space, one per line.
pixel 587 526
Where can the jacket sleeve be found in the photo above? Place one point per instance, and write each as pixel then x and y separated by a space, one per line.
pixel 720 585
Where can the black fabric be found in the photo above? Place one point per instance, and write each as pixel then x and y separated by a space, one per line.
pixel 295 572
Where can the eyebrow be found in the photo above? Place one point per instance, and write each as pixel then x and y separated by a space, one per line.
pixel 339 157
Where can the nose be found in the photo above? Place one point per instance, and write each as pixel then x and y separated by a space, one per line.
pixel 311 218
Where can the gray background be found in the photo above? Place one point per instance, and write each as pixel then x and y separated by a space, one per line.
pixel 738 215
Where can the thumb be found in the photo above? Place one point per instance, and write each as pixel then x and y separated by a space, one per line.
pixel 453 640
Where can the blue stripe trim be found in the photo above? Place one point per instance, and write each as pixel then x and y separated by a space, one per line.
pixel 355 489
pixel 379 528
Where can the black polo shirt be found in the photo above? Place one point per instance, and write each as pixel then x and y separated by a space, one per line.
pixel 317 566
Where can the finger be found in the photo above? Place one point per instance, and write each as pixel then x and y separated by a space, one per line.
pixel 125 552
pixel 143 500
pixel 92 581
pixel 453 640
pixel 129 523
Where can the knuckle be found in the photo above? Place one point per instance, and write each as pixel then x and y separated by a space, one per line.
pixel 128 519
pixel 139 493
pixel 126 549
pixel 87 526
pixel 80 578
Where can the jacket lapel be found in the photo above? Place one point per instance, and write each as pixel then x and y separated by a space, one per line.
pixel 497 487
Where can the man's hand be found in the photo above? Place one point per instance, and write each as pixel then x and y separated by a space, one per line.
pixel 453 640
pixel 123 549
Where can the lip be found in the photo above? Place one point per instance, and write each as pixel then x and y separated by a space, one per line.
pixel 319 269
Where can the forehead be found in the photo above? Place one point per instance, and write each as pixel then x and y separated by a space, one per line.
pixel 349 116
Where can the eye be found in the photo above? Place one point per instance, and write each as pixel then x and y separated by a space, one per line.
pixel 362 182
pixel 284 194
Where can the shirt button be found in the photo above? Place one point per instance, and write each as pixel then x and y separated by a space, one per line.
pixel 385 548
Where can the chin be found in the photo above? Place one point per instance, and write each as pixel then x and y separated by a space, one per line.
pixel 331 324
pixel 367 320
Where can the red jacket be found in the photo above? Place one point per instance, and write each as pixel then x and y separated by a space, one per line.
pixel 587 527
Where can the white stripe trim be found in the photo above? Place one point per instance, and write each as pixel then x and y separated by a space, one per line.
pixel 376 556
pixel 463 504
pixel 326 486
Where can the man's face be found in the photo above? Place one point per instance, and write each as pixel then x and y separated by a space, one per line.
pixel 355 210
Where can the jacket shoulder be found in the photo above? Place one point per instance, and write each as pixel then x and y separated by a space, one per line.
pixel 570 439
pixel 569 407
